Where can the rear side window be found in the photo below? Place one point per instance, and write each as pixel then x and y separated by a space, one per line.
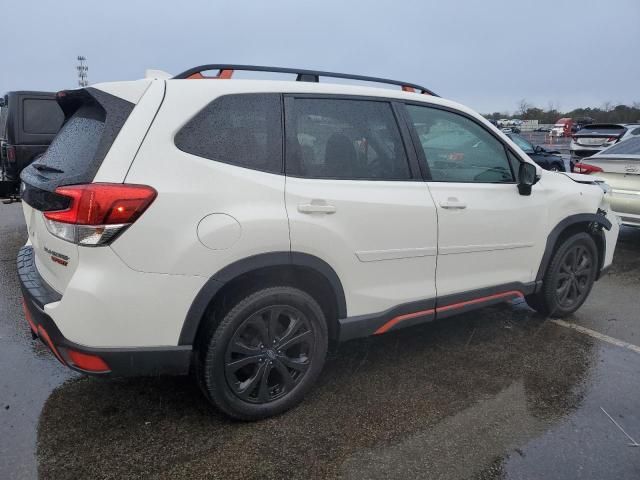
pixel 41 116
pixel 344 139
pixel 243 130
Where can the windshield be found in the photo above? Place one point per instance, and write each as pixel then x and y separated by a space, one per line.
pixel 522 143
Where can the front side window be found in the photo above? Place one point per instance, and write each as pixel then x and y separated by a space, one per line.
pixel 344 139
pixel 457 149
pixel 243 130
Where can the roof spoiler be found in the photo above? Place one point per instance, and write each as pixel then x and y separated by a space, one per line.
pixel 157 74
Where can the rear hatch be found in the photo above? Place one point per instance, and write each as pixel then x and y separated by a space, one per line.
pixel 597 135
pixel 93 119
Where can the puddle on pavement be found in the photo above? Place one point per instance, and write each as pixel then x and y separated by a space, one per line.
pixel 404 404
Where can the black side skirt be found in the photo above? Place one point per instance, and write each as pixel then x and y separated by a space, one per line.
pixel 423 311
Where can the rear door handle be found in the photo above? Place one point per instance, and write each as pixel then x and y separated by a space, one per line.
pixel 453 204
pixel 316 206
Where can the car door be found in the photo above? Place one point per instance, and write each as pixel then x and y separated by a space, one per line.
pixel 355 199
pixel 489 236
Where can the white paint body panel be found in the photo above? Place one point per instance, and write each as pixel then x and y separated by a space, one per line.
pixel 107 304
pixel 382 239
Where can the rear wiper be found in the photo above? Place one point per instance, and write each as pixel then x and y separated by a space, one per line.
pixel 46 168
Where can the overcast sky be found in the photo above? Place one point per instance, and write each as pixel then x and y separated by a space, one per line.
pixel 487 54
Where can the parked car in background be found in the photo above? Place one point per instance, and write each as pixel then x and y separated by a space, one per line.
pixel 543 129
pixel 594 138
pixel 562 127
pixel 511 129
pixel 619 166
pixel 547 159
pixel 28 123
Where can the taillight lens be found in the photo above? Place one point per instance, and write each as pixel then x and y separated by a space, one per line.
pixel 612 139
pixel 586 168
pixel 11 153
pixel 98 212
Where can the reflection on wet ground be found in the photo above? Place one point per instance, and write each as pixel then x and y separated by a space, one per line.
pixel 496 394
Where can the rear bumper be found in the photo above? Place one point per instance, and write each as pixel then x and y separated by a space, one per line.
pixel 119 362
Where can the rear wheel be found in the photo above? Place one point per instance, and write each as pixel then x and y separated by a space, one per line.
pixel 569 277
pixel 265 354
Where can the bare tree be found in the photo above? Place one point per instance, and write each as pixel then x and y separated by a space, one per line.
pixel 523 106
pixel 607 106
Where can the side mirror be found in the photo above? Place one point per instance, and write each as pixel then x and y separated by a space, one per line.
pixel 527 177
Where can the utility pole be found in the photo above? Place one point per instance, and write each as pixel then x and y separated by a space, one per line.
pixel 83 71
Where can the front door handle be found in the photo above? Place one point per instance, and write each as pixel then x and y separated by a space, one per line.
pixel 316 206
pixel 453 204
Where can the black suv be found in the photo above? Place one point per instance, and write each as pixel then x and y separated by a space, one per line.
pixel 28 123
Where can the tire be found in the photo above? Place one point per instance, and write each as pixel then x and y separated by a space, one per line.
pixel 264 355
pixel 569 277
pixel 556 168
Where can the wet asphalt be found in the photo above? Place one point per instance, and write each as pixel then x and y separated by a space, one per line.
pixel 494 394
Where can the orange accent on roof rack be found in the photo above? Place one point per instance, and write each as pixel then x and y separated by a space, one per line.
pixel 406 88
pixel 222 74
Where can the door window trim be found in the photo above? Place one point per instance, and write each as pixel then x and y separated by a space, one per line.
pixel 397 111
pixel 420 151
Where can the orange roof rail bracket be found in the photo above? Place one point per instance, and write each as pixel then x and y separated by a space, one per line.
pixel 222 74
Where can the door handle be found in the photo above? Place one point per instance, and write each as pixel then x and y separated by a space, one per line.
pixel 453 204
pixel 316 206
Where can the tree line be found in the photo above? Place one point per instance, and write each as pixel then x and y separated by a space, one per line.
pixel 608 113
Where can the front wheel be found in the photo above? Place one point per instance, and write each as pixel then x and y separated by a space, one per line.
pixel 265 354
pixel 569 277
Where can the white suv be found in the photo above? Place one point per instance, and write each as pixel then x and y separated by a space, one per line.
pixel 234 227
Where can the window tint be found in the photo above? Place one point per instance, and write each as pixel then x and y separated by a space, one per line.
pixel 345 139
pixel 458 149
pixel 41 116
pixel 243 130
pixel 76 145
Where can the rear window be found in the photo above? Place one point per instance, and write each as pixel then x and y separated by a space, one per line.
pixel 41 116
pixel 243 130
pixel 627 147
pixel 77 143
pixel 94 119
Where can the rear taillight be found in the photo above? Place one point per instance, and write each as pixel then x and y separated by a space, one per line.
pixel 98 212
pixel 612 139
pixel 586 168
pixel 11 153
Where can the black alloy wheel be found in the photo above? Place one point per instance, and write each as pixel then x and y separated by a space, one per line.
pixel 574 277
pixel 263 353
pixel 568 278
pixel 269 354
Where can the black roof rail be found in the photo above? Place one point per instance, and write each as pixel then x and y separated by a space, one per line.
pixel 226 71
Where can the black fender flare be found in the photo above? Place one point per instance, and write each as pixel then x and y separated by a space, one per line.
pixel 249 264
pixel 552 238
